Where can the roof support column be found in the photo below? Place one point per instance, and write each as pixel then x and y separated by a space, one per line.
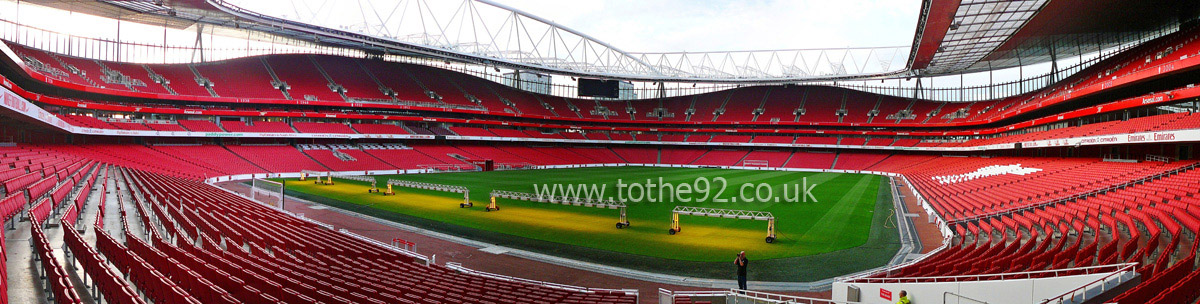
pixel 118 51
pixel 1053 66
pixel 199 45
pixel 991 82
pixel 917 89
pixel 1020 74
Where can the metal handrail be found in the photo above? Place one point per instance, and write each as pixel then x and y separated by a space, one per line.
pixel 413 254
pixel 945 294
pixel 1003 276
pixel 460 268
pixel 756 296
pixel 1072 293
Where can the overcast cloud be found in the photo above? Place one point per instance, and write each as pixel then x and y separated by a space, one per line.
pixel 723 25
pixel 647 25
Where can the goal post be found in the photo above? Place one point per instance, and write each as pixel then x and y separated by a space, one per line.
pixel 267 192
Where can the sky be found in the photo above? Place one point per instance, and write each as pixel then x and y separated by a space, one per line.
pixel 647 25
pixel 726 25
pixel 638 26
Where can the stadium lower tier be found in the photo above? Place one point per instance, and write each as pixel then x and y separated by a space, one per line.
pixel 189 242
pixel 184 241
pixel 1152 222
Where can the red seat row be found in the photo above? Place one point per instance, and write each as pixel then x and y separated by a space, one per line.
pixel 335 268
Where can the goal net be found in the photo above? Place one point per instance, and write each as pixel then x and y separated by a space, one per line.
pixel 755 163
pixel 267 192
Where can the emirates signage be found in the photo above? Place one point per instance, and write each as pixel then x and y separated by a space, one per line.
pixel 1132 138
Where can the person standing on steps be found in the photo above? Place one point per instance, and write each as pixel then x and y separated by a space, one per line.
pixel 741 263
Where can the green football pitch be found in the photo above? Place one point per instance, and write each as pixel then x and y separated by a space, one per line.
pixel 842 220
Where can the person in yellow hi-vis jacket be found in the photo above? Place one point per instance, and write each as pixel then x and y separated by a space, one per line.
pixel 903 298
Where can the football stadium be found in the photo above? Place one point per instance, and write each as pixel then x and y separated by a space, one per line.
pixel 608 151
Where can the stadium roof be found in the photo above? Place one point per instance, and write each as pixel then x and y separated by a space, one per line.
pixel 959 36
pixel 953 36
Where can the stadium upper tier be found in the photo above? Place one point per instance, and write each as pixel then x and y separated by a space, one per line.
pixel 203 119
pixel 319 80
pixel 767 138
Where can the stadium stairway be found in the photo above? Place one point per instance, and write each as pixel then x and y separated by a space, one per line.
pixel 36 228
